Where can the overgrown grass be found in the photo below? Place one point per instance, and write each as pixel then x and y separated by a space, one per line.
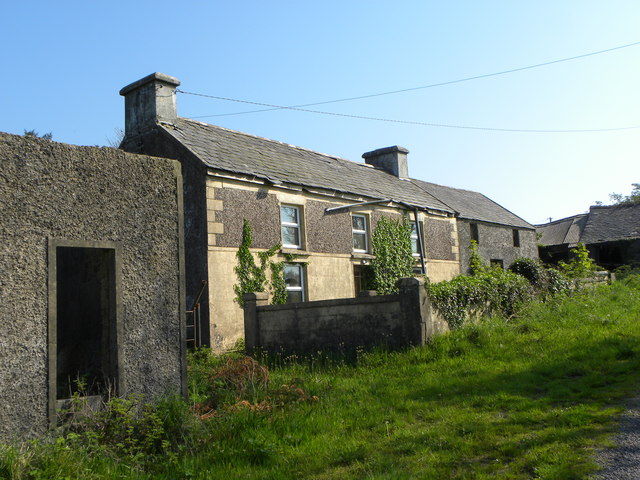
pixel 526 398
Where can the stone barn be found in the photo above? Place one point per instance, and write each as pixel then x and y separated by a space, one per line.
pixel 91 278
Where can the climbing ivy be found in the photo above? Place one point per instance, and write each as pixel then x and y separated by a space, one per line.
pixel 252 277
pixel 476 265
pixel 393 256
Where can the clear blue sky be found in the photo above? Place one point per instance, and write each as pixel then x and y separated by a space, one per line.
pixel 63 64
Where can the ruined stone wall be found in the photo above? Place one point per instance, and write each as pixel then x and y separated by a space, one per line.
pixel 56 192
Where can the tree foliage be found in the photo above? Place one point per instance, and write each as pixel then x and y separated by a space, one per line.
pixel 632 199
pixel 34 134
pixel 393 255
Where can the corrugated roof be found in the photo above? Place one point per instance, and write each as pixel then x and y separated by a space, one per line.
pixel 278 162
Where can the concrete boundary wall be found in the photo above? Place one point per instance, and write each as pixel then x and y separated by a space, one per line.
pixel 342 324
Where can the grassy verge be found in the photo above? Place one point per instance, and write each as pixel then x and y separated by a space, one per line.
pixel 526 398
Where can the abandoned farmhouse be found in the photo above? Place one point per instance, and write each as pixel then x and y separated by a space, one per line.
pixel 104 252
pixel 320 207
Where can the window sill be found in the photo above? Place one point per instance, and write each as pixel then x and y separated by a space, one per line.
pixel 294 251
pixel 362 256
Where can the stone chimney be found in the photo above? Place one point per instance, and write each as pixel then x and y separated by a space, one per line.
pixel 392 160
pixel 147 101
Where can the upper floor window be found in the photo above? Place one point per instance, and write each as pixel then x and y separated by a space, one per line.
pixel 516 237
pixel 474 232
pixel 291 226
pixel 414 239
pixel 294 279
pixel 359 229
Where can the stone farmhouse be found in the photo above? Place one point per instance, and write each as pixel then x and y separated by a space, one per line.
pixel 91 278
pixel 320 207
pixel 610 233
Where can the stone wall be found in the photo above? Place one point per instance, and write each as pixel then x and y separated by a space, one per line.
pixel 343 324
pixel 54 195
pixel 496 243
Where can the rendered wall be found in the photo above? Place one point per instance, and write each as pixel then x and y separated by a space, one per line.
pixel 53 192
pixel 327 245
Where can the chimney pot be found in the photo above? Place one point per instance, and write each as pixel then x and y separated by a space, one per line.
pixel 392 160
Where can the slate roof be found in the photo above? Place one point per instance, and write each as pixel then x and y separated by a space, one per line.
pixel 473 205
pixel 612 223
pixel 277 162
pixel 601 224
pixel 565 231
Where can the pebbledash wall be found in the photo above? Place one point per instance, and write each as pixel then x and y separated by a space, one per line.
pixel 59 204
pixel 327 244
pixel 394 321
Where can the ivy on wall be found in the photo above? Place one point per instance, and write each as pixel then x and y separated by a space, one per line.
pixel 393 256
pixel 252 277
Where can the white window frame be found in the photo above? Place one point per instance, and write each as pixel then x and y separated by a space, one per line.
pixel 301 288
pixel 297 226
pixel 364 232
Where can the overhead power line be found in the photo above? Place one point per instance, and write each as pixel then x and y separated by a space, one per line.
pixel 410 122
pixel 432 85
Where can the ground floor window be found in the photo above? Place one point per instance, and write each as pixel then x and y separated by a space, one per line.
pixel 294 279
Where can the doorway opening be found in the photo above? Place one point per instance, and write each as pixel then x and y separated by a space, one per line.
pixel 85 317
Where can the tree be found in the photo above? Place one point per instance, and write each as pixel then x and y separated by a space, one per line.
pixel 632 199
pixel 34 134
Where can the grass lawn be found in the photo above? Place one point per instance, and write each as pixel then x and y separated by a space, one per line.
pixel 530 397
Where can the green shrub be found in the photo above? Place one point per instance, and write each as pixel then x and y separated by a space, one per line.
pixel 625 271
pixel 530 269
pixel 580 265
pixel 489 291
pixel 546 281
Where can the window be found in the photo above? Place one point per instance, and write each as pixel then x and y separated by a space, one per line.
pixel 359 228
pixel 291 226
pixel 516 237
pixel 414 239
pixel 294 279
pixel 497 263
pixel 474 232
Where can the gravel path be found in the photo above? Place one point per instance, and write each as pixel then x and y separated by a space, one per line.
pixel 622 462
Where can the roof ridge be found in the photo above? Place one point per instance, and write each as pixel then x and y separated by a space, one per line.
pixel 290 145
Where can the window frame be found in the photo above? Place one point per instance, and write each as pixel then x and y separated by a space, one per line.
pixel 303 283
pixel 364 233
pixel 297 226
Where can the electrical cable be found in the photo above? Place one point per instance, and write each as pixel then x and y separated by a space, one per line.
pixel 440 84
pixel 410 122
